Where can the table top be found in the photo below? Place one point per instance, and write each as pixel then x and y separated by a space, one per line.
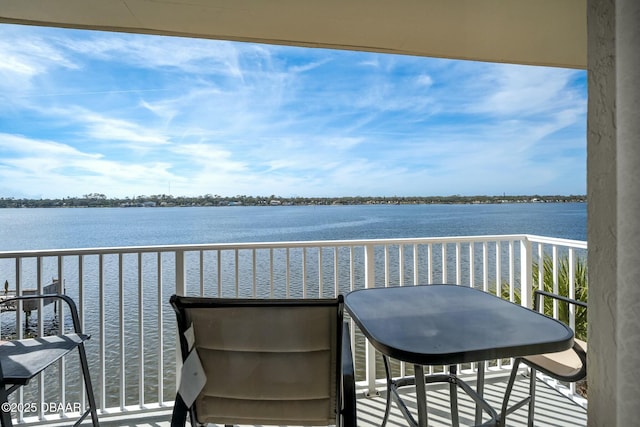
pixel 449 324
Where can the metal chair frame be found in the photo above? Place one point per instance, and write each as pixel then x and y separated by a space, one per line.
pixel 11 380
pixel 530 399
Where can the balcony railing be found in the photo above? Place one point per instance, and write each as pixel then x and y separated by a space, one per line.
pixel 123 294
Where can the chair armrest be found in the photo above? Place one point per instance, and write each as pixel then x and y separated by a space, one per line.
pixel 577 348
pixel 582 354
pixel 537 294
pixel 348 380
pixel 72 306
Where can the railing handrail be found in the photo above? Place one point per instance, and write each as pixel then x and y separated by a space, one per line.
pixel 578 244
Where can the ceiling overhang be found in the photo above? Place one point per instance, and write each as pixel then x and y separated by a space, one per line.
pixel 535 32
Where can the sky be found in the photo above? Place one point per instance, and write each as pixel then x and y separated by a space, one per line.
pixel 129 115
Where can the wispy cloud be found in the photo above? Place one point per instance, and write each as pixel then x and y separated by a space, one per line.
pixel 119 114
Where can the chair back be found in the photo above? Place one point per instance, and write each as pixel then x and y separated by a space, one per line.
pixel 272 362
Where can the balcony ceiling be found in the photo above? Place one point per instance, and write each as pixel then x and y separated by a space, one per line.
pixel 538 32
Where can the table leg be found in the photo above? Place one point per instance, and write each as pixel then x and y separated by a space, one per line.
pixel 453 396
pixel 480 391
pixel 421 396
pixel 387 408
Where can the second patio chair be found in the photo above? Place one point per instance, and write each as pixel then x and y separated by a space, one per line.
pixel 264 362
pixel 568 366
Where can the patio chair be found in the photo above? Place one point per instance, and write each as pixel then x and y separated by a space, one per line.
pixel 568 366
pixel 23 359
pixel 264 362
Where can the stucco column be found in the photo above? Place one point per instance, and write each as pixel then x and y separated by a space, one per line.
pixel 601 213
pixel 613 186
pixel 628 181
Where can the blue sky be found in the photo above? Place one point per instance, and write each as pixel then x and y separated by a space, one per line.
pixel 128 115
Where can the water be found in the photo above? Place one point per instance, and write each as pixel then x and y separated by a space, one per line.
pixel 23 229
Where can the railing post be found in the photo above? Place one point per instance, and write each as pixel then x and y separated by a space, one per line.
pixel 181 289
pixel 370 352
pixel 526 272
pixel 181 281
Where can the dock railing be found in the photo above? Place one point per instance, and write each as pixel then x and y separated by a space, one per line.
pixel 122 294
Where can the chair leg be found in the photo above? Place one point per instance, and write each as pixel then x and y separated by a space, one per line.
pixel 5 416
pixel 532 396
pixel 507 394
pixel 453 397
pixel 88 386
pixel 387 408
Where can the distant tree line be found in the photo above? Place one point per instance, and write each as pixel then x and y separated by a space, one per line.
pixel 163 200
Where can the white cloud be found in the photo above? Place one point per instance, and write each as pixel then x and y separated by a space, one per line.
pixel 521 90
pixel 134 135
pixel 424 80
pixel 14 144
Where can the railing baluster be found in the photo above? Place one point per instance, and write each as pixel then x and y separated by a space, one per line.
pixel 498 289
pixel 271 277
pixel 416 272
pixel 219 271
pixel 401 264
pixel 386 266
pixel 81 315
pixel 288 270
pixel 40 331
pixel 430 263
pixel 121 310
pixel 60 311
pixel 554 252
pixel 320 281
pixel 201 253
pixel 141 334
pixel 540 266
pixel 458 264
pixel 102 374
pixel 444 263
pixel 499 268
pixel 160 327
pixel 351 268
pixel 471 265
pixel 485 266
pixel 336 275
pixel 369 282
pixel 572 289
pixel 512 273
pixel 254 282
pixel 526 272
pixel 237 270
pixel 304 272
pixel 19 319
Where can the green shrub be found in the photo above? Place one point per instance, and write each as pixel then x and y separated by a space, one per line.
pixel 580 286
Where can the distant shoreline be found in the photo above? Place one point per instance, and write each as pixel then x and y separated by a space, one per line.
pixel 101 201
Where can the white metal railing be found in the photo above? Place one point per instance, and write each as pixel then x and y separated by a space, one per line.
pixel 122 295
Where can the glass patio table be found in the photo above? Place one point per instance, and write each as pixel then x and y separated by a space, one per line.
pixel 430 325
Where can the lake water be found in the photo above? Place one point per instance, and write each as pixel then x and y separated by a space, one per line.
pixel 25 229
pixel 22 229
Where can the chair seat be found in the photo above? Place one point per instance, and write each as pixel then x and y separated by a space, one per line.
pixel 562 364
pixel 23 359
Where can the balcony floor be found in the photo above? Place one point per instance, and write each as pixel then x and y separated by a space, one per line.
pixel 552 408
